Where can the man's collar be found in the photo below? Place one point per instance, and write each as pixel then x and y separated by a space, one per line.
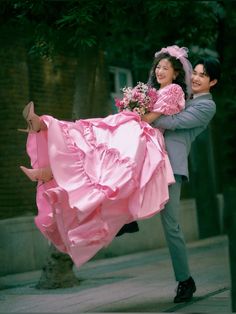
pixel 200 94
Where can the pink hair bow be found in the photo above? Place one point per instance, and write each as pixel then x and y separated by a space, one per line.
pixel 174 51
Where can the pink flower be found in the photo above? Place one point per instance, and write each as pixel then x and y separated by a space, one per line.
pixel 139 99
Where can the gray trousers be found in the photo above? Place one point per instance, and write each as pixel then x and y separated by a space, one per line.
pixel 173 233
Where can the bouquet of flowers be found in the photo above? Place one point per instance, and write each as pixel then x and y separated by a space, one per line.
pixel 139 99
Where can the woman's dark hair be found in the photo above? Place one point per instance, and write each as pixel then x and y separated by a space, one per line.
pixel 177 66
pixel 211 66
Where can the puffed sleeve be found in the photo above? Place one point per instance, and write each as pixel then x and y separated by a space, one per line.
pixel 170 100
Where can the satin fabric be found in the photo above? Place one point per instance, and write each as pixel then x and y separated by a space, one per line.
pixel 107 172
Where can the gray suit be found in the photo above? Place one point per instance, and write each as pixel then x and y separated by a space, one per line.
pixel 180 131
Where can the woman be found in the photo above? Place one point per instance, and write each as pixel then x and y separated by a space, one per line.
pixel 96 175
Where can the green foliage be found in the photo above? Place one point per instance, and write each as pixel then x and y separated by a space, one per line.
pixel 124 28
pixel 130 31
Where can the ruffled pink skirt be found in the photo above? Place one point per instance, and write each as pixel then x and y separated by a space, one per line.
pixel 107 172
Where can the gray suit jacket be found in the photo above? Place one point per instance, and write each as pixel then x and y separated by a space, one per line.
pixel 182 129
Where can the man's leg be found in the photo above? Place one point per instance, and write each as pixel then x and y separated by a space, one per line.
pixel 176 244
pixel 173 232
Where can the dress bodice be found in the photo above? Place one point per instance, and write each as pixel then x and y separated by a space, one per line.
pixel 170 101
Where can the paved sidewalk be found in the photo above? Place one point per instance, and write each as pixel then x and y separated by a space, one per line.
pixel 141 282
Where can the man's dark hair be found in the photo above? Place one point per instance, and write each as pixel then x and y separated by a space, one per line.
pixel 211 66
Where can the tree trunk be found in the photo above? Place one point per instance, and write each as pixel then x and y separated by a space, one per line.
pixel 91 100
pixel 91 91
pixel 204 181
pixel 57 272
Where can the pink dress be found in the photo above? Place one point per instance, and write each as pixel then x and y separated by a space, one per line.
pixel 107 172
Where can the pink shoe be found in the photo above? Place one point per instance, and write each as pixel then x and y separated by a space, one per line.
pixel 32 119
pixel 41 174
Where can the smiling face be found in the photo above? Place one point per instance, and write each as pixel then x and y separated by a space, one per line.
pixel 201 82
pixel 165 73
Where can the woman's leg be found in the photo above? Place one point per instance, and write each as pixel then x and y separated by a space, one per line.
pixel 35 124
pixel 41 174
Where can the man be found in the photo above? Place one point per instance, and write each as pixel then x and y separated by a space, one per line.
pixel 180 131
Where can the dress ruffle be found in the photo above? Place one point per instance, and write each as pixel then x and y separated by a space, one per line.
pixel 107 172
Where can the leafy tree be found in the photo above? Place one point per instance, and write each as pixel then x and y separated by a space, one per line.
pixel 129 31
pixel 99 32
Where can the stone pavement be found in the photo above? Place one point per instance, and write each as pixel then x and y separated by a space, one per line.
pixel 135 283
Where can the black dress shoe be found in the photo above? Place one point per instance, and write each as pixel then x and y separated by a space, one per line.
pixel 185 290
pixel 128 228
